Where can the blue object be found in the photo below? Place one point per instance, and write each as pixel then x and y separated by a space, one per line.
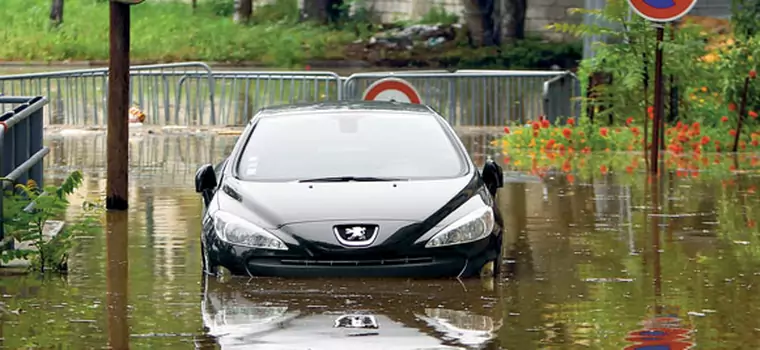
pixel 660 4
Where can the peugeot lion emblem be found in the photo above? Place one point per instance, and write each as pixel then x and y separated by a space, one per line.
pixel 356 235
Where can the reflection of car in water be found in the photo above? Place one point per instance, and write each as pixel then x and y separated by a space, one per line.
pixel 352 188
pixel 317 314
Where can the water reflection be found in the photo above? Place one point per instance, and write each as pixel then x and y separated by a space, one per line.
pixel 664 327
pixel 117 279
pixel 283 314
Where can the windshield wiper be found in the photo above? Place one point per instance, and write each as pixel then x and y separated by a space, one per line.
pixel 351 178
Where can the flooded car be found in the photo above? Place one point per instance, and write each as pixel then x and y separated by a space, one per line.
pixel 352 188
pixel 348 314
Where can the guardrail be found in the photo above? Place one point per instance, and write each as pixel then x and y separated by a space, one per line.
pixel 21 149
pixel 192 94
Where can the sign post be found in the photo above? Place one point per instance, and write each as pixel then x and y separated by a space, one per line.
pixel 392 89
pixel 659 12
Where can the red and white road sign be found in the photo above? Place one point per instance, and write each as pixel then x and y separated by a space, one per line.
pixel 662 10
pixel 392 89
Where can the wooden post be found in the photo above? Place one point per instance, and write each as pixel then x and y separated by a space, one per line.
pixel 658 101
pixel 118 106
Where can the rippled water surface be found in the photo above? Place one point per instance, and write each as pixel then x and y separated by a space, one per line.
pixel 609 263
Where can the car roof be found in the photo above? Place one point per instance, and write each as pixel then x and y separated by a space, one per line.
pixel 338 106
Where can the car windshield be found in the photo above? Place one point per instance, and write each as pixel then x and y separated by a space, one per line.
pixel 349 146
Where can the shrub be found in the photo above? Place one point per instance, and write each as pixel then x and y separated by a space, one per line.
pixel 28 208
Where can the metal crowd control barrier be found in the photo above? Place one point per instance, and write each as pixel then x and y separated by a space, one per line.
pixel 240 94
pixel 79 97
pixel 472 97
pixel 561 97
pixel 21 149
pixel 191 94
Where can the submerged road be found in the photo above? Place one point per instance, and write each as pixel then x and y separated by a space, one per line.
pixel 591 269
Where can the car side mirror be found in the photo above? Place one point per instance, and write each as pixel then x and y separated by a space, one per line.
pixel 493 176
pixel 205 178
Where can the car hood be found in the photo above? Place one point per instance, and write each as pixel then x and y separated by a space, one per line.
pixel 280 204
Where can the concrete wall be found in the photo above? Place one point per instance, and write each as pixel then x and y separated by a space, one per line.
pixel 540 13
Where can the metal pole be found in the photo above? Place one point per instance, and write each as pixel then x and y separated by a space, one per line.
pixel 742 111
pixel 658 102
pixel 118 105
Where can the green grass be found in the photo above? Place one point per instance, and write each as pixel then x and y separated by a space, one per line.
pixel 170 31
pixel 163 31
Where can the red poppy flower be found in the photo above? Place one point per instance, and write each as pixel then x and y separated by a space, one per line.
pixel 567 133
pixel 571 121
pixel 536 125
pixel 603 132
pixel 752 74
pixel 506 130
pixel 566 166
pixel 753 114
pixel 724 119
pixel 545 124
pixel 629 121
pixel 732 106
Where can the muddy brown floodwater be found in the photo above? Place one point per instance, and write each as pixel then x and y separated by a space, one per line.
pixel 606 264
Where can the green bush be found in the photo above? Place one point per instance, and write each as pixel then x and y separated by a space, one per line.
pixel 26 210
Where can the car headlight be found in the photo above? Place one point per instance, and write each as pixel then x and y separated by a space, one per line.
pixel 470 228
pixel 235 230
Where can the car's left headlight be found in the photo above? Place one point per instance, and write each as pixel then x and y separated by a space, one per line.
pixel 236 230
pixel 470 228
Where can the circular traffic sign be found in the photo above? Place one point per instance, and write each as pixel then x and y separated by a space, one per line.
pixel 662 10
pixel 392 89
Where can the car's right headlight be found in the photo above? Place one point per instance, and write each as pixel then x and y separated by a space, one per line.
pixel 470 228
pixel 238 231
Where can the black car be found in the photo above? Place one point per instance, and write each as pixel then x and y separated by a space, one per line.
pixel 364 189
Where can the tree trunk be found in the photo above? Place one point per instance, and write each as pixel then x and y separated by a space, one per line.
pixel 56 13
pixel 323 11
pixel 243 11
pixel 492 22
pixel 512 20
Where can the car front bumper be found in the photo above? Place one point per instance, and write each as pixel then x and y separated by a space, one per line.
pixel 465 260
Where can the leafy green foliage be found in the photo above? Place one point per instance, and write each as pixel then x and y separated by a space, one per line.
pixel 439 15
pixel 628 56
pixel 745 18
pixel 28 208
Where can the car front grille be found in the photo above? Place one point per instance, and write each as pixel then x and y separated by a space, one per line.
pixel 375 262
